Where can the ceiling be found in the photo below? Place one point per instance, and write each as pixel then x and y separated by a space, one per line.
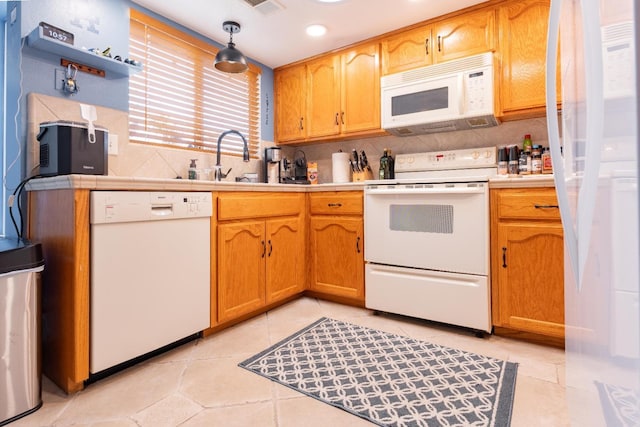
pixel 273 32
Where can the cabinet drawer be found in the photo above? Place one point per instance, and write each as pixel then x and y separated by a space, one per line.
pixel 336 203
pixel 539 203
pixel 255 205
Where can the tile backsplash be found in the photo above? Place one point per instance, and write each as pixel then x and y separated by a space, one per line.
pixel 132 160
pixel 506 133
pixel 147 161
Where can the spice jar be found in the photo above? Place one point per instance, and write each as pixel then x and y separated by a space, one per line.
pixel 524 163
pixel 536 159
pixel 503 161
pixel 513 161
pixel 547 165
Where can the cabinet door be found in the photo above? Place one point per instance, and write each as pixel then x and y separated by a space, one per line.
pixel 241 265
pixel 360 89
pixel 523 44
pixel 337 257
pixel 407 50
pixel 465 35
pixel 531 277
pixel 285 258
pixel 323 91
pixel 290 93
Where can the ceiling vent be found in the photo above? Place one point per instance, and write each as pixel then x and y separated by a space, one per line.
pixel 266 7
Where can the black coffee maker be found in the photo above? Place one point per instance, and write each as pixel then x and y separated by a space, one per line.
pixel 298 169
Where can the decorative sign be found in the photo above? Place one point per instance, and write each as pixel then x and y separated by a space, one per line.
pixel 56 33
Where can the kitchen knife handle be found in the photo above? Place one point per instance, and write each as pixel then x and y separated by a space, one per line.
pixel 334 205
pixel 270 248
pixel 504 257
pixel 537 206
pixel 264 249
pixel 439 48
pixel 426 46
pixel 358 244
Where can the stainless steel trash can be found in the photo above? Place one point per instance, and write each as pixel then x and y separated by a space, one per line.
pixel 20 373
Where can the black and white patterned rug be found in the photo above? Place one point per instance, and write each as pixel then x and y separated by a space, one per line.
pixel 389 379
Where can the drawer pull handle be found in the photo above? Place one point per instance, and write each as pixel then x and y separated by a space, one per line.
pixel 504 257
pixel 337 122
pixel 264 249
pixel 439 46
pixel 335 205
pixel 301 123
pixel 270 248
pixel 545 206
pixel 426 46
pixel 358 244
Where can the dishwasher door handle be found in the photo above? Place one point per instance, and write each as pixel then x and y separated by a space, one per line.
pixel 161 210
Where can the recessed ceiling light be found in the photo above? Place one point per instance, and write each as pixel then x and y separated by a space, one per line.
pixel 329 1
pixel 316 30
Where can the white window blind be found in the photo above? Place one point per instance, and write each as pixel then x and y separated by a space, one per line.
pixel 181 100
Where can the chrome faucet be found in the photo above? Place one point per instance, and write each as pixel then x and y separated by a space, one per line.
pixel 219 176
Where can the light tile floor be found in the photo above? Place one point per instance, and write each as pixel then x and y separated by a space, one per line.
pixel 199 383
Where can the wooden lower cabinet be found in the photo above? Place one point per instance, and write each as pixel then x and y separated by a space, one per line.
pixel 527 262
pixel 336 245
pixel 260 260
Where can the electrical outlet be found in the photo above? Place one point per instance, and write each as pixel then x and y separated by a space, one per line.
pixel 59 76
pixel 113 145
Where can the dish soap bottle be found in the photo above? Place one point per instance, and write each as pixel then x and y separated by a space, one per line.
pixel 193 173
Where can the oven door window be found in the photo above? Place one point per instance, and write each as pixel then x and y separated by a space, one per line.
pixel 421 218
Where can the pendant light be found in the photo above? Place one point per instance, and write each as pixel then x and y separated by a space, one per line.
pixel 230 59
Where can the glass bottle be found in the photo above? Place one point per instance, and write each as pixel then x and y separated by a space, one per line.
pixel 384 165
pixel 391 163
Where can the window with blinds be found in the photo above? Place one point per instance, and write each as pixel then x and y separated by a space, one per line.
pixel 180 100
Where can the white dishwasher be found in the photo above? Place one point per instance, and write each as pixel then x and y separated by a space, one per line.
pixel 150 272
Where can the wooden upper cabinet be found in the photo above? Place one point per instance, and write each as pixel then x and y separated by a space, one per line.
pixel 407 50
pixel 523 45
pixel 342 94
pixel 465 35
pixel 360 89
pixel 323 83
pixel 290 93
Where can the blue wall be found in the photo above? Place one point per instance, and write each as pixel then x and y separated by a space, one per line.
pixel 101 23
pixel 14 143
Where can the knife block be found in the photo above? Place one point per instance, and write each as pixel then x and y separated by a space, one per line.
pixel 361 176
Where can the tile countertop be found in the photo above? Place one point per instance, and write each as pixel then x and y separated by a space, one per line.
pixel 101 182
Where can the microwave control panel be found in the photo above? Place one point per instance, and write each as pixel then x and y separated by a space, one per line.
pixel 478 90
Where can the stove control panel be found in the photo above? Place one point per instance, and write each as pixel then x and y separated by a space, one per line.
pixel 441 160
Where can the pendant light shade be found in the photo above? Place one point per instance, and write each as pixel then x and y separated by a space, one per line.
pixel 230 59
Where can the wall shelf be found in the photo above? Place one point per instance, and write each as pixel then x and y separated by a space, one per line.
pixel 112 67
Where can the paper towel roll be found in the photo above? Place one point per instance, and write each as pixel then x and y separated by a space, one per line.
pixel 340 167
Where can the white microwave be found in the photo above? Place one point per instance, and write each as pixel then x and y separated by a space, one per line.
pixel 453 95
